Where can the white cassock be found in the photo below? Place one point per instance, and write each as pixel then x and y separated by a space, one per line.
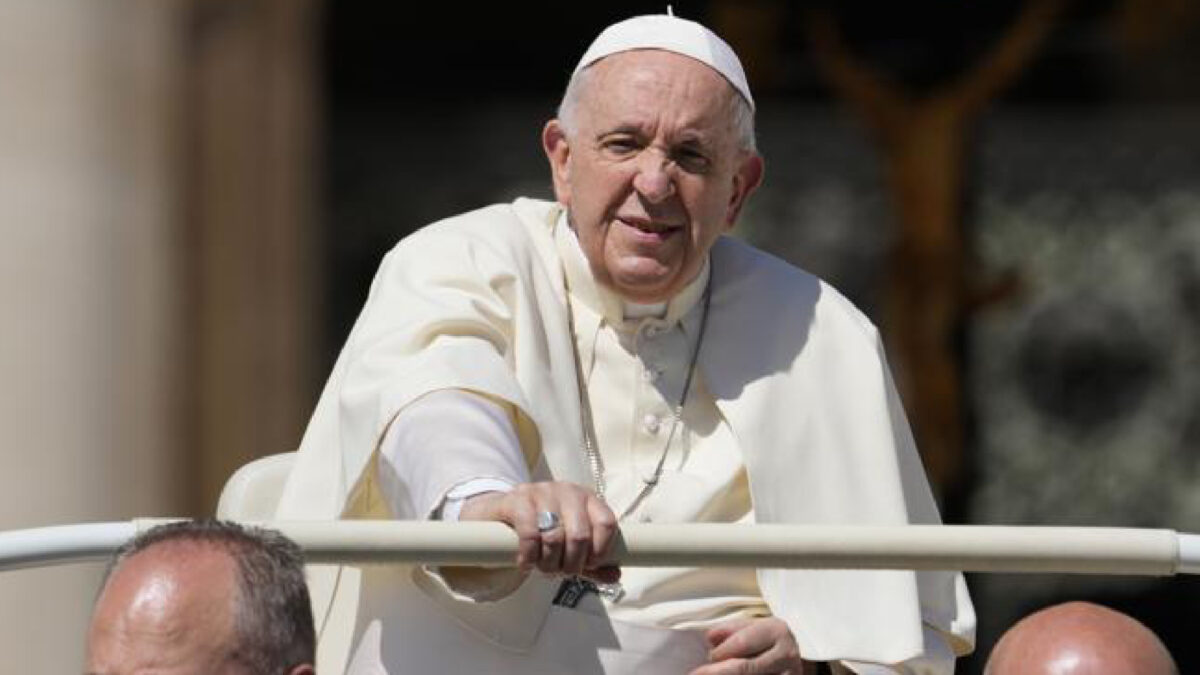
pixel 792 411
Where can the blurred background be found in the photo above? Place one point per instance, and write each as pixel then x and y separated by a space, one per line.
pixel 194 195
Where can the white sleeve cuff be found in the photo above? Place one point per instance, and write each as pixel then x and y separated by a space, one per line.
pixel 452 505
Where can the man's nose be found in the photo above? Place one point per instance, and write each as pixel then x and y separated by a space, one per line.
pixel 654 180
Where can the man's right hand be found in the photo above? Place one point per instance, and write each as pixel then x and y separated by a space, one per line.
pixel 580 544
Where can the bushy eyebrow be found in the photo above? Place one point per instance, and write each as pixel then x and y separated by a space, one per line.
pixel 693 137
pixel 627 128
pixel 688 138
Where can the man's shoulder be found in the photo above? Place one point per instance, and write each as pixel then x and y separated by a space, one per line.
pixel 750 264
pixel 499 240
pixel 509 233
pixel 505 222
pixel 784 287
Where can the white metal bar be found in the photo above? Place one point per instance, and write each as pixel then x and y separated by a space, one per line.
pixel 967 548
pixel 62 544
pixel 1189 554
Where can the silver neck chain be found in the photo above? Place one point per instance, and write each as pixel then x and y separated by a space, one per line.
pixel 585 409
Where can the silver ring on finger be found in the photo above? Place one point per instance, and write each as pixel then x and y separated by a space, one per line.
pixel 547 521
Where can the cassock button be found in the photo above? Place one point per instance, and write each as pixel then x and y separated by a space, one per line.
pixel 651 423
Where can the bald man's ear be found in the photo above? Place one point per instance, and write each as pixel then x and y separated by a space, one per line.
pixel 306 669
pixel 746 179
pixel 558 151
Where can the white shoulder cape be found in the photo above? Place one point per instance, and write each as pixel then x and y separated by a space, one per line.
pixel 477 302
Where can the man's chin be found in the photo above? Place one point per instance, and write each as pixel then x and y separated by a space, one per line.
pixel 644 291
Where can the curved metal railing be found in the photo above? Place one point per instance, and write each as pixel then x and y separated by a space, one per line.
pixel 969 548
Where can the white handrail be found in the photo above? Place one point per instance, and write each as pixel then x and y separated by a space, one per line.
pixel 62 544
pixel 971 548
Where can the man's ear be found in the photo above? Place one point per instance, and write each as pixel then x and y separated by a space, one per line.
pixel 303 669
pixel 558 152
pixel 746 179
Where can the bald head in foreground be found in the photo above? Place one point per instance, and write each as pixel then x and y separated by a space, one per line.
pixel 1079 638
pixel 203 597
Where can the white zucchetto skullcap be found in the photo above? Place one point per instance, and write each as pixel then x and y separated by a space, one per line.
pixel 672 34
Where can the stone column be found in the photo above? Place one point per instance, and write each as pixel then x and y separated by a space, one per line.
pixel 89 294
pixel 155 271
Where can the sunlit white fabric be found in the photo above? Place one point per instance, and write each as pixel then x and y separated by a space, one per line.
pixel 796 373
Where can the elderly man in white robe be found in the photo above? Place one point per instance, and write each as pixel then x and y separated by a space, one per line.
pixel 612 357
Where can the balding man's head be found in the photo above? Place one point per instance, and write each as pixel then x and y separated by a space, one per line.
pixel 1079 638
pixel 167 609
pixel 203 597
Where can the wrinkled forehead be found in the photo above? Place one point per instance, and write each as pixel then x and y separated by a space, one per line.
pixel 172 582
pixel 656 81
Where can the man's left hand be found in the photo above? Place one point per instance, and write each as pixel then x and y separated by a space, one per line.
pixel 752 647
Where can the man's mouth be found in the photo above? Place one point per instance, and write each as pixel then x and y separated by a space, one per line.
pixel 650 227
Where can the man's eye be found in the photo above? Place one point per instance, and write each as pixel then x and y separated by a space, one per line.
pixel 620 146
pixel 691 160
